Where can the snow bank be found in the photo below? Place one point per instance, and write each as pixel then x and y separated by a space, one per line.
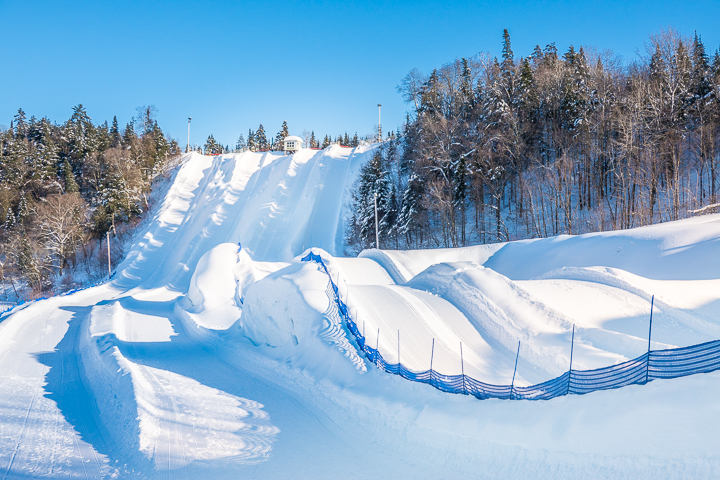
pixel 290 311
pixel 217 288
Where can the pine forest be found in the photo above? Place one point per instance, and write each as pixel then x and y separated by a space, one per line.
pixel 63 188
pixel 497 149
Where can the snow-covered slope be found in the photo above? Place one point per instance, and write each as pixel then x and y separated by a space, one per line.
pixel 214 352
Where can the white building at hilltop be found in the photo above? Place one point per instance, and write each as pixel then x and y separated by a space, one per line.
pixel 292 143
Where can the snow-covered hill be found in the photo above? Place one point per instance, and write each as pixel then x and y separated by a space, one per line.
pixel 213 353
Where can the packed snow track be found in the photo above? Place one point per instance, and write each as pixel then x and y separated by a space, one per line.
pixel 214 353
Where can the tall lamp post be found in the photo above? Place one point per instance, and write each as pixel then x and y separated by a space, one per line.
pixel 379 124
pixel 188 144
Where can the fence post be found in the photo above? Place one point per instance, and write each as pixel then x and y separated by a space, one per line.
pixel 377 348
pixel 432 354
pixel 462 368
pixel 572 346
pixel 512 384
pixel 399 352
pixel 647 371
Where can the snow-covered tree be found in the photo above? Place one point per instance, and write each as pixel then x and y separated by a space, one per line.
pixel 240 144
pixel 261 142
pixel 281 136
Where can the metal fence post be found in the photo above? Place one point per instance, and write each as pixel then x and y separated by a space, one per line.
pixel 572 345
pixel 432 355
pixel 462 368
pixel 647 371
pixel 377 348
pixel 512 384
pixel 398 352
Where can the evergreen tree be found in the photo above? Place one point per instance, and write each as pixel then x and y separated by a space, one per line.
pixel 161 148
pixel 281 136
pixel 212 147
pixel 507 67
pixel 81 135
pixel 23 210
pixel 71 185
pixel 9 220
pixel 102 140
pixel 575 101
pixel 537 55
pixel 115 138
pixel 240 144
pixel 467 94
pixel 129 137
pixel 411 207
pixel 261 142
pixel 430 97
pixel 42 156
pixel 373 184
pixel 251 145
pixel 20 125
pixel 701 86
pixel 313 140
pixel 326 142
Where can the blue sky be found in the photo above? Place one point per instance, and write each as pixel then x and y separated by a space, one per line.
pixel 320 65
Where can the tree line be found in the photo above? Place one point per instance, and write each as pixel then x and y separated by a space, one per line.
pixel 257 141
pixel 496 149
pixel 64 186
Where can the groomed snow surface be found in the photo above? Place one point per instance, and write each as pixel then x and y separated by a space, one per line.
pixel 213 354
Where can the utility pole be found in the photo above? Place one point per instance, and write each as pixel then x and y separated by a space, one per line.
pixel 377 230
pixel 108 242
pixel 188 144
pixel 379 124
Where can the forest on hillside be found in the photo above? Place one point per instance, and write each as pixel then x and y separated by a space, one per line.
pixel 496 149
pixel 63 187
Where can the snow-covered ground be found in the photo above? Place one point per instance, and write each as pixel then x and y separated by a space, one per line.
pixel 213 353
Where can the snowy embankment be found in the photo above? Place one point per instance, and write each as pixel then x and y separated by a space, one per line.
pixel 215 351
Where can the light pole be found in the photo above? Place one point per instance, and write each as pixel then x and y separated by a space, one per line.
pixel 379 124
pixel 377 230
pixel 188 144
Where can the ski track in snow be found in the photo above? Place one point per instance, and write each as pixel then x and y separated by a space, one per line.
pixel 122 381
